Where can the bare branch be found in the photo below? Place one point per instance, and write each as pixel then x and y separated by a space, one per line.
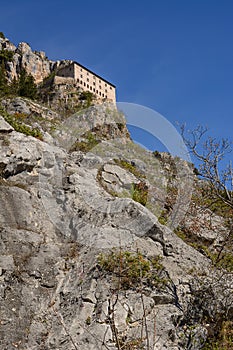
pixel 209 154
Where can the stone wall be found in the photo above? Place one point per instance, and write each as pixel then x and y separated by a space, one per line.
pixel 63 80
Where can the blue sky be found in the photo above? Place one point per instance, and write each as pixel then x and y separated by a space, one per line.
pixel 174 56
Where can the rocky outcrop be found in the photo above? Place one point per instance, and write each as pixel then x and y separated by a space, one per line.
pixel 34 62
pixel 4 126
pixel 58 215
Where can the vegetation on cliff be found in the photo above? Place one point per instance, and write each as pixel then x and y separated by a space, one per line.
pixel 68 276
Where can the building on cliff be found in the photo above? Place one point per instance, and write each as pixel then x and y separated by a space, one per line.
pixel 87 80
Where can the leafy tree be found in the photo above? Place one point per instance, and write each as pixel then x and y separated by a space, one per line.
pixel 26 85
pixel 6 55
pixel 14 86
pixel 4 88
pixel 2 35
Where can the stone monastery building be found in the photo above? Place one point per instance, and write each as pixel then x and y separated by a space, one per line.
pixel 88 81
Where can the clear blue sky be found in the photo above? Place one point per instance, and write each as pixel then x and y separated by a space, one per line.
pixel 174 56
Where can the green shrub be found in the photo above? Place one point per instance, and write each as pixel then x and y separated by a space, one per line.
pixel 87 97
pixel 26 85
pixel 19 126
pixel 223 340
pixel 162 220
pixel 87 145
pixel 4 87
pixel 6 55
pixel 2 35
pixel 140 192
pixel 222 260
pixel 133 344
pixel 132 270
pixel 88 321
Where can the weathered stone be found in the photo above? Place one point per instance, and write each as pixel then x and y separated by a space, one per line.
pixel 56 218
pixel 6 262
pixel 160 298
pixel 4 126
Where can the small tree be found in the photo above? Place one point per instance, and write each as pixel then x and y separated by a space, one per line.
pixel 5 56
pixel 14 86
pixel 2 36
pixel 4 88
pixel 26 85
pixel 86 96
pixel 219 187
pixel 209 154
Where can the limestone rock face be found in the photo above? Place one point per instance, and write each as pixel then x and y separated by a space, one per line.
pixel 6 44
pixel 57 218
pixel 34 62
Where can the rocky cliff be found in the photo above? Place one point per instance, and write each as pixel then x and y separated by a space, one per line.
pixel 34 62
pixel 104 245
pixel 84 261
pixel 29 73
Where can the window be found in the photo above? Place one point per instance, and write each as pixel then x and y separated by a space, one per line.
pixel 99 81
pixel 81 82
pixel 100 87
pixel 106 96
pixel 106 84
pixel 103 95
pixel 87 79
pixel 70 69
pixel 90 87
pixel 81 70
pixel 87 73
pixel 94 89
pixel 100 93
pixel 78 80
pixel 87 86
pixel 84 84
pixel 106 90
pixel 93 83
pixel 110 88
pixel 81 75
pixel 97 91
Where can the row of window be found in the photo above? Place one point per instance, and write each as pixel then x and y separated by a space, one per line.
pixel 92 89
pixel 81 76
pixel 81 82
pixel 94 77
